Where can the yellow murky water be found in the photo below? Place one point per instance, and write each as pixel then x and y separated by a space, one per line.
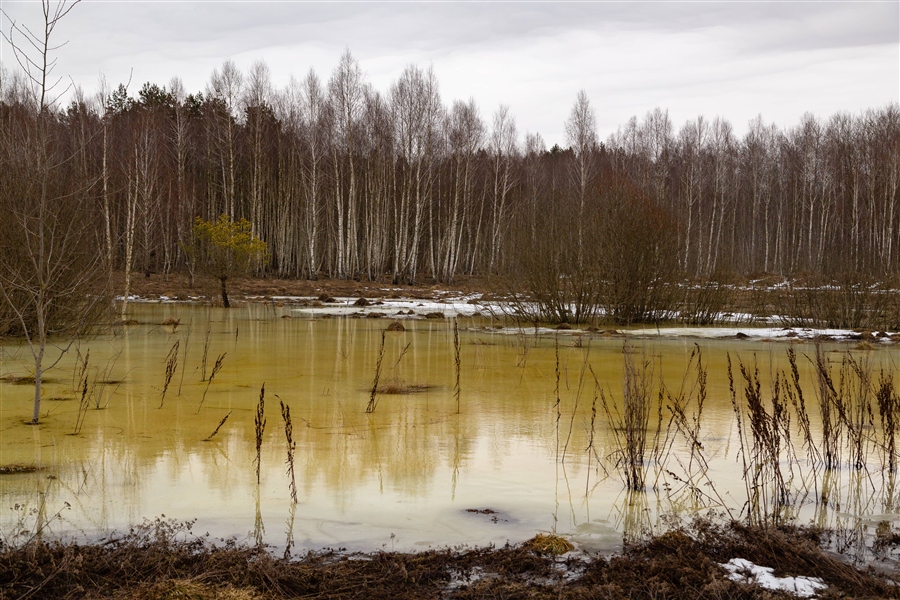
pixel 405 476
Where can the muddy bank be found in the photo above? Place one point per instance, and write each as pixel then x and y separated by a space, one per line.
pixel 164 559
pixel 178 287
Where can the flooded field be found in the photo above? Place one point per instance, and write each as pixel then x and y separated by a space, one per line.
pixel 537 439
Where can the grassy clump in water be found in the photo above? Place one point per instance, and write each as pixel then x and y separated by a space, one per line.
pixel 164 559
pixel 549 544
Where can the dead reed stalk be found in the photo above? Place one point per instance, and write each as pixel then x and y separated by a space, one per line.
pixel 456 359
pixel 260 423
pixel 291 446
pixel 171 367
pixel 591 432
pixel 370 407
pixel 860 419
pixel 103 378
pixel 84 401
pixel 584 367
pixel 556 392
pixel 769 484
pixel 888 407
pixel 522 355
pixel 216 368
pixel 794 393
pixel 830 409
pixel 630 427
pixel 187 341
pixel 218 427
pixel 205 352
pixel 695 478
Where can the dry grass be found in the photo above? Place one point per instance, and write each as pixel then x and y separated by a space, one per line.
pixel 164 559
pixel 549 543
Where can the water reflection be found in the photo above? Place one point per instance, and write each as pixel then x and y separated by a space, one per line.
pixel 531 441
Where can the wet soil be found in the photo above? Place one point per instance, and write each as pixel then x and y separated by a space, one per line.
pixel 164 559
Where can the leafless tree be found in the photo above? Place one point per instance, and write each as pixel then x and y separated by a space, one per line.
pixel 504 154
pixel 581 135
pixel 51 276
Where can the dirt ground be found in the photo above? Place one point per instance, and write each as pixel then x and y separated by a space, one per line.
pixel 178 286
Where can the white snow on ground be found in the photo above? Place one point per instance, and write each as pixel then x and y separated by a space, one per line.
pixel 754 332
pixel 711 332
pixel 744 571
pixel 454 304
pixel 450 307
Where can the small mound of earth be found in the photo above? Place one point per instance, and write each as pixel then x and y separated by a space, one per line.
pixel 434 315
pixel 361 302
pixel 396 326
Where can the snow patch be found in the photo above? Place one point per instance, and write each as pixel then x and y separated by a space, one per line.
pixel 744 571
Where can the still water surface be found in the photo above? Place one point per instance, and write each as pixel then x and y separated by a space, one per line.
pixel 413 474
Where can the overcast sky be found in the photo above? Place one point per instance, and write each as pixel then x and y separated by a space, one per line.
pixel 733 59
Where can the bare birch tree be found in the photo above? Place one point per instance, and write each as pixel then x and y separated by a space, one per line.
pixel 581 135
pixel 51 275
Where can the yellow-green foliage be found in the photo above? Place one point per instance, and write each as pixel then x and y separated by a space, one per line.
pixel 227 248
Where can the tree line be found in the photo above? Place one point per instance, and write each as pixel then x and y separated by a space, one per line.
pixel 345 181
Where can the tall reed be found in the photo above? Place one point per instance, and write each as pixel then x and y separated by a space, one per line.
pixel 556 405
pixel 205 352
pixel 763 446
pixel 218 427
pixel 630 427
pixel 171 367
pixel 84 400
pixel 216 368
pixel 370 407
pixel 856 375
pixel 584 367
pixel 187 341
pixel 888 408
pixel 830 409
pixel 456 359
pixel 686 408
pixel 291 446
pixel 794 392
pixel 590 450
pixel 260 423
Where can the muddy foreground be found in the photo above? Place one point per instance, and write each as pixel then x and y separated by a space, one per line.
pixel 164 559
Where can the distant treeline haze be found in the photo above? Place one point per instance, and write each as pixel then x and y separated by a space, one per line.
pixel 343 180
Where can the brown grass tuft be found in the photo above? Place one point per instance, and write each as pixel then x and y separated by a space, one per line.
pixel 549 543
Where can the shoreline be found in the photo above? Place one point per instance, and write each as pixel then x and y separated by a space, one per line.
pixel 164 559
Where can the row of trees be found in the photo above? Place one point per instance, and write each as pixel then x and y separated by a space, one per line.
pixel 345 181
